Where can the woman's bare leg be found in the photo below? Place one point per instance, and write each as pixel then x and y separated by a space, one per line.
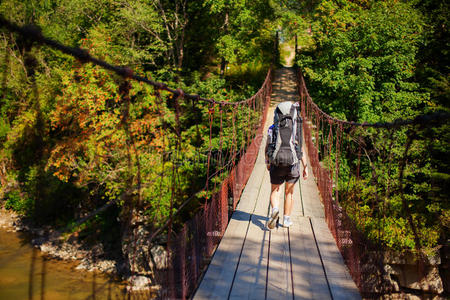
pixel 275 195
pixel 288 199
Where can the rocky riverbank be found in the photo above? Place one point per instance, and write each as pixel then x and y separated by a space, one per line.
pixel 90 258
pixel 416 280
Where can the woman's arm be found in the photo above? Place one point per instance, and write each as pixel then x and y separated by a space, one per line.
pixel 304 163
pixel 265 153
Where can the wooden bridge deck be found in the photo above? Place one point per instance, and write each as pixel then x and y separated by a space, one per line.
pixel 302 262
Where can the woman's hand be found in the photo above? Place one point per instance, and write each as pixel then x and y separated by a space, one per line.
pixel 305 172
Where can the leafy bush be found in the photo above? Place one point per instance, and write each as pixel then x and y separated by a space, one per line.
pixel 365 66
pixel 18 203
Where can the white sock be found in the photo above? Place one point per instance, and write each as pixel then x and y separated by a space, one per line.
pixel 287 218
pixel 274 209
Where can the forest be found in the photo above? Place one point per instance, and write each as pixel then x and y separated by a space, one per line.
pixel 379 62
pixel 72 141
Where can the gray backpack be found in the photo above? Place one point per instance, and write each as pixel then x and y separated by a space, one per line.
pixel 285 143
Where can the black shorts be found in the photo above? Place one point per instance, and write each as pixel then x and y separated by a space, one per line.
pixel 290 174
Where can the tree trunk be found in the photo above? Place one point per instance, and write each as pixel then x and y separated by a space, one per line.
pixel 296 46
pixel 223 63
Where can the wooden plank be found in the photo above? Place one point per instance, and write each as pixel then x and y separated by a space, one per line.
pixel 341 284
pixel 279 285
pixel 217 281
pixel 312 206
pixel 250 279
pixel 218 278
pixel 309 277
pixel 248 197
pixel 278 272
pixel 310 195
pixel 297 206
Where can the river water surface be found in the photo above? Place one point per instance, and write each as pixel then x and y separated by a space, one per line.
pixel 25 273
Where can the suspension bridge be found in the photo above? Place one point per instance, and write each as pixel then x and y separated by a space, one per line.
pixel 301 262
pixel 322 256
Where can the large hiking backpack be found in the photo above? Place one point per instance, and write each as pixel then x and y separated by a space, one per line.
pixel 285 136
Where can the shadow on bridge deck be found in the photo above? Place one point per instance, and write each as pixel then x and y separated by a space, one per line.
pixel 302 262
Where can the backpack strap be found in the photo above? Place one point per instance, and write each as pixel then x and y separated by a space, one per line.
pixel 299 133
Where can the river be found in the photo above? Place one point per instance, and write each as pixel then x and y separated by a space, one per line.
pixel 25 273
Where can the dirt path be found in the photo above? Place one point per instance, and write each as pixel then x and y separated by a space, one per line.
pixel 289 60
pixel 284 86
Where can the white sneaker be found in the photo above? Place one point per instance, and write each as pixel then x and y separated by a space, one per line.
pixel 287 222
pixel 273 219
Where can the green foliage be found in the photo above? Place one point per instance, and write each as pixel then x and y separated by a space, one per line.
pixel 365 60
pixel 433 69
pixel 4 129
pixel 245 30
pixel 369 63
pixel 70 142
pixel 18 203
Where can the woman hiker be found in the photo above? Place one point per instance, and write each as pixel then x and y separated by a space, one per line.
pixel 284 151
